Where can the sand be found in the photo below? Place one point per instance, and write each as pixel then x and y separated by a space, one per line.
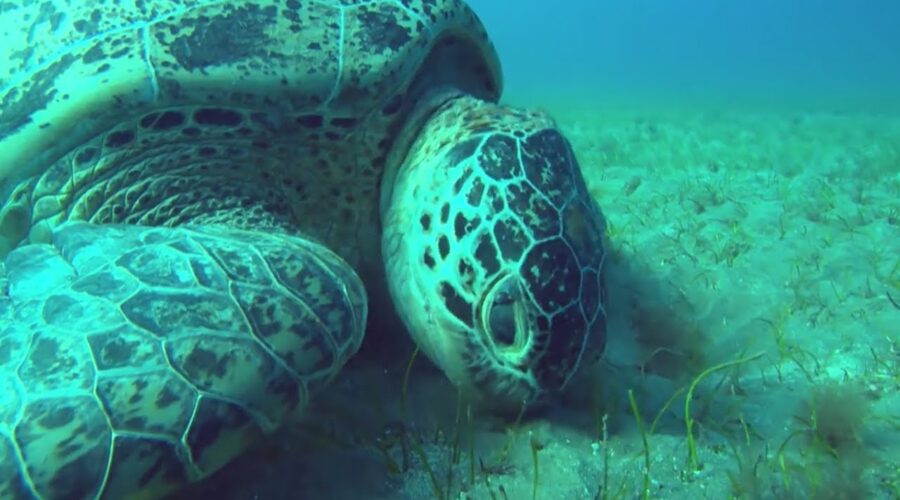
pixel 772 235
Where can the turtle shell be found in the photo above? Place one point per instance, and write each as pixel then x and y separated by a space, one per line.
pixel 79 80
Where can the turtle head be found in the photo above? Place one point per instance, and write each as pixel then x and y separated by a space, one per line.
pixel 494 250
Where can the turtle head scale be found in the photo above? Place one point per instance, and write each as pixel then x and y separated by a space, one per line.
pixel 496 251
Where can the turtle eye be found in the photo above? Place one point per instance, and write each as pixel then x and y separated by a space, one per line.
pixel 504 320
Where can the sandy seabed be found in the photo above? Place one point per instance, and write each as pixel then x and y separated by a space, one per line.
pixel 756 268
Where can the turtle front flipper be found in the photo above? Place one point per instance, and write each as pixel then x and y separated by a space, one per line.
pixel 137 359
pixel 494 250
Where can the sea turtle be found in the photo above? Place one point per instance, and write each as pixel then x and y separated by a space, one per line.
pixel 194 192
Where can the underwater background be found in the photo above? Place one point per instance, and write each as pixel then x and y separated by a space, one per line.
pixel 826 54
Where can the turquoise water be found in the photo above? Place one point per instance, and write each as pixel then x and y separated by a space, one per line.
pixel 819 53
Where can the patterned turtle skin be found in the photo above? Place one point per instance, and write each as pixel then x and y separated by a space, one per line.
pixel 139 359
pixel 194 193
pixel 505 259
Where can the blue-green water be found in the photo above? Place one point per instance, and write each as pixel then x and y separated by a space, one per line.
pixel 820 53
